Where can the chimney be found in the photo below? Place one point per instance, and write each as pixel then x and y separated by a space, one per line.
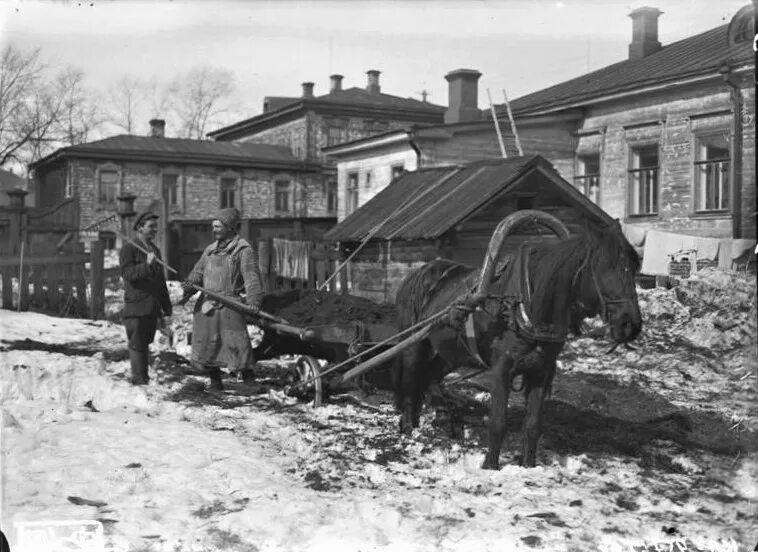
pixel 336 83
pixel 463 102
pixel 157 128
pixel 307 90
pixel 644 32
pixel 372 86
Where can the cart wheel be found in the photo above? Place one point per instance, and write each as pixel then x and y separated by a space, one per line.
pixel 307 368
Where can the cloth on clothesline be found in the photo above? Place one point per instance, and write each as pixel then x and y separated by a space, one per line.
pixel 634 234
pixel 731 249
pixel 660 246
pixel 292 258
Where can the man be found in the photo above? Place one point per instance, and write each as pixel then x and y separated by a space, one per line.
pixel 145 294
pixel 228 266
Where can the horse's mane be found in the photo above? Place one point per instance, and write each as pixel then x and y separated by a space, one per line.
pixel 554 267
pixel 420 285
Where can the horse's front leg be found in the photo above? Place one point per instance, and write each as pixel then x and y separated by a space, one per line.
pixel 409 386
pixel 501 386
pixel 537 385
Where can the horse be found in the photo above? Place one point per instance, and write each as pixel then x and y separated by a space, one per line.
pixel 518 320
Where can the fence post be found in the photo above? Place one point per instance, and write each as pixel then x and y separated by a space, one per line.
pixel 97 273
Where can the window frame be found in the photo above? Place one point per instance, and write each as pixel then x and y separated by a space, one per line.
pixel 108 168
pixel 177 207
pixel 352 192
pixel 725 162
pixel 634 149
pixel 288 194
pixel 236 197
pixel 332 197
pixel 584 181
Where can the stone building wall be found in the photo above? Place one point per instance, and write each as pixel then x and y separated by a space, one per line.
pixel 673 122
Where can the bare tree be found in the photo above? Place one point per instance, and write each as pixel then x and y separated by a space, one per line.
pixel 203 97
pixel 78 115
pixel 127 97
pixel 39 114
pixel 28 110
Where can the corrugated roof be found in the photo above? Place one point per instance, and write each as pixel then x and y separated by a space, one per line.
pixel 147 147
pixel 427 203
pixel 690 57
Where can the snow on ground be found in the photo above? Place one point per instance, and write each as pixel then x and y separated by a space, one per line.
pixel 641 447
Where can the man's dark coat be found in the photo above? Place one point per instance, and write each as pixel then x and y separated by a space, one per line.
pixel 145 291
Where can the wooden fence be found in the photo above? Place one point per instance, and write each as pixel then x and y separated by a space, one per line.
pixel 55 282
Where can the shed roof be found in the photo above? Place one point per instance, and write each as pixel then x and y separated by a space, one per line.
pixel 425 204
pixel 147 148
pixel 694 56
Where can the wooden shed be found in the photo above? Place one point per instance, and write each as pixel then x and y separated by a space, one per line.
pixel 451 212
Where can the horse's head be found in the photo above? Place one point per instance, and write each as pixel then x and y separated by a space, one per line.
pixel 608 279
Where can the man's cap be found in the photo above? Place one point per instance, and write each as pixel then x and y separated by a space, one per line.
pixel 230 218
pixel 142 218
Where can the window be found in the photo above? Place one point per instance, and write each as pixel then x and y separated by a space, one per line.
pixel 69 191
pixel 282 192
pixel 331 197
pixel 368 179
pixel 643 181
pixel 335 135
pixel 397 170
pixel 351 199
pixel 712 173
pixel 108 186
pixel 108 238
pixel 588 179
pixel 228 190
pixel 171 190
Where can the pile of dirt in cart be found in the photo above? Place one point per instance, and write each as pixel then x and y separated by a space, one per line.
pixel 311 307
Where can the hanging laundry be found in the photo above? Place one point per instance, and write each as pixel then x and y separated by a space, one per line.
pixel 292 258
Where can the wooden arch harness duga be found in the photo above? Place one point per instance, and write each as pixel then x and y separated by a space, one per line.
pixel 517 318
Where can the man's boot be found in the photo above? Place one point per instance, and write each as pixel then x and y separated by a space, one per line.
pixel 247 376
pixel 215 374
pixel 138 361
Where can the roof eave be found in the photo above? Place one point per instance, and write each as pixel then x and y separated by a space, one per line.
pixel 600 98
pixel 145 156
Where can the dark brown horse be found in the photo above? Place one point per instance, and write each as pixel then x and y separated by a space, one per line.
pixel 525 312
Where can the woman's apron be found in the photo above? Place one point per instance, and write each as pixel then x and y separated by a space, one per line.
pixel 219 334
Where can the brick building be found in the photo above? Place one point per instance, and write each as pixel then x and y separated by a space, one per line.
pixel 666 138
pixel 187 181
pixel 366 166
pixel 308 124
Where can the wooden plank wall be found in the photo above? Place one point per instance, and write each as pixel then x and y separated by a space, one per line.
pixel 53 281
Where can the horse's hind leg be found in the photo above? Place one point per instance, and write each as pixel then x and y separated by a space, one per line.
pixel 501 385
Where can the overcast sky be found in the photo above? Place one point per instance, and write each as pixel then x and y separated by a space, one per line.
pixel 520 45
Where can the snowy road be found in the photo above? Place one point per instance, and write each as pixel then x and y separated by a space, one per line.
pixel 644 447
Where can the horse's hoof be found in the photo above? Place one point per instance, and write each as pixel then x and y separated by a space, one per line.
pixel 487 465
